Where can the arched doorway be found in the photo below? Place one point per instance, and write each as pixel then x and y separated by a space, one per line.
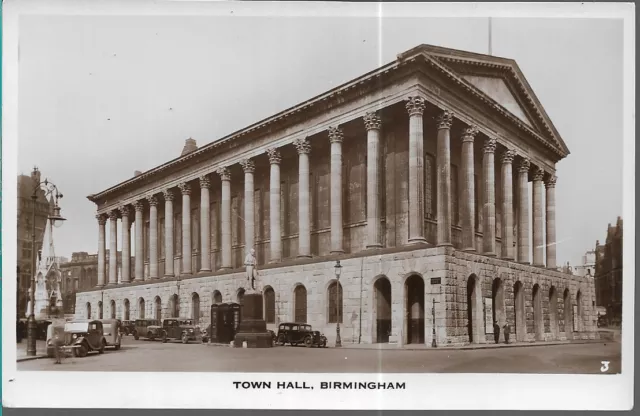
pixel 269 305
pixel 475 315
pixel 217 297
pixel 174 305
pixel 414 312
pixel 300 304
pixel 498 310
pixel 126 310
pixel 195 308
pixel 568 314
pixel 112 307
pixel 520 318
pixel 240 296
pixel 538 322
pixel 382 310
pixel 141 309
pixel 579 316
pixel 334 302
pixel 157 308
pixel 100 310
pixel 88 310
pixel 553 312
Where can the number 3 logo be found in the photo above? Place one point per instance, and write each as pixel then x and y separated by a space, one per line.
pixel 605 366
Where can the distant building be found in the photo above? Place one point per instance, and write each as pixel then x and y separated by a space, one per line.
pixel 26 185
pixel 608 273
pixel 588 266
pixel 80 273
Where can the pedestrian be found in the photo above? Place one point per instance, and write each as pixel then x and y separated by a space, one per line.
pixel 507 331
pixel 57 349
pixel 496 332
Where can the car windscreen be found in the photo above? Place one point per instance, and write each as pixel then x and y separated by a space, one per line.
pixel 76 326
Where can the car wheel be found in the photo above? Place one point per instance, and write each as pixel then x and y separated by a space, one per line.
pixel 185 339
pixel 308 342
pixel 281 340
pixel 294 344
pixel 117 346
pixel 324 344
pixel 135 335
pixel 101 349
pixel 82 351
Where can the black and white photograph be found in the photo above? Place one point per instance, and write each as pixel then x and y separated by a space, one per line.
pixel 318 206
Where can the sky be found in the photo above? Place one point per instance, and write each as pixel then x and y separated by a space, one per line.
pixel 101 97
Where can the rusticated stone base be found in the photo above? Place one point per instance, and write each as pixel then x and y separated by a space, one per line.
pixel 253 329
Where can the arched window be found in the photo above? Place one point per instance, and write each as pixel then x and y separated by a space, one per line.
pixel 88 310
pixel 112 307
pixel 141 308
pixel 158 308
pixel 300 304
pixel 195 308
pixel 240 296
pixel 269 305
pixel 217 297
pixel 174 303
pixel 126 310
pixel 334 293
pixel 100 310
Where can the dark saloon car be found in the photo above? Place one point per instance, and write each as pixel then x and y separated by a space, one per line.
pixel 299 333
pixel 128 327
pixel 147 328
pixel 84 336
pixel 179 328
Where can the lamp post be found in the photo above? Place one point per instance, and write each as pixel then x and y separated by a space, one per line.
pixel 338 270
pixel 49 189
pixel 433 314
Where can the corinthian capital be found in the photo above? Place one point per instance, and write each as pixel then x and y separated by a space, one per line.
pixel 302 145
pixel 125 211
pixel 185 188
pixel 444 120
pixel 538 174
pixel 224 173
pixel 489 146
pixel 524 166
pixel 248 165
pixel 469 134
pixel 507 157
pixel 205 183
pixel 372 121
pixel 102 219
pixel 113 215
pixel 415 106
pixel 139 205
pixel 551 181
pixel 168 195
pixel 274 156
pixel 335 135
pixel 152 200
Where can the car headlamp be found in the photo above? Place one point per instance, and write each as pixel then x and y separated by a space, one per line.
pixel 75 336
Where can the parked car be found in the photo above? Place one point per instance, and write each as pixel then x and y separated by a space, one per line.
pixel 128 327
pixel 112 329
pixel 180 328
pixel 298 333
pixel 84 336
pixel 141 328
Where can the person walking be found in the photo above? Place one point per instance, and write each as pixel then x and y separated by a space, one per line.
pixel 507 331
pixel 57 349
pixel 496 332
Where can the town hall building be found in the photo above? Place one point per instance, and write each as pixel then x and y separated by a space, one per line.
pixel 415 176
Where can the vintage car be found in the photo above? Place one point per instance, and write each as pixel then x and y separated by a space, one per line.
pixel 298 333
pixel 179 328
pixel 128 327
pixel 84 336
pixel 54 330
pixel 147 328
pixel 112 329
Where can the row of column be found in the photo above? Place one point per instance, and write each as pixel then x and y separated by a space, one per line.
pixel 415 107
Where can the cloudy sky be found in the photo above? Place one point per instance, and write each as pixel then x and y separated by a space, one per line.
pixel 100 97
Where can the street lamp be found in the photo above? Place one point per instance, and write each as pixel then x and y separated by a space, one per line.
pixel 56 220
pixel 338 270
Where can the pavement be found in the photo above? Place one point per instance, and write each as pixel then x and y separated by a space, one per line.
pixel 21 351
pixel 143 355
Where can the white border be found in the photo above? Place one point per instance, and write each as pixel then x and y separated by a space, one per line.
pixel 215 390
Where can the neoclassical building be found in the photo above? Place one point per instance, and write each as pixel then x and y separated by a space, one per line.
pixel 422 177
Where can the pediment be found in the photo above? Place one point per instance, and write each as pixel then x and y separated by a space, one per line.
pixel 498 90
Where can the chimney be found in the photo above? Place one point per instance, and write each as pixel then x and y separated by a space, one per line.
pixel 136 173
pixel 189 146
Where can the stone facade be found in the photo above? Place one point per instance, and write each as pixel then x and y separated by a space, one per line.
pixel 608 273
pixel 415 176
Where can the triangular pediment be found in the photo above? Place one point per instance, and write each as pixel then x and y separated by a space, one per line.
pixel 498 90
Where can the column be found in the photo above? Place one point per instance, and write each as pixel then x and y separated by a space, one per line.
pixel 274 206
pixel 225 220
pixel 153 237
pixel 249 221
pixel 168 232
pixel 102 220
pixel 523 218
pixel 507 204
pixel 538 220
pixel 415 107
pixel 125 211
pixel 489 211
pixel 304 235
pixel 335 138
pixel 550 184
pixel 185 189
pixel 443 163
pixel 113 248
pixel 468 190
pixel 139 271
pixel 373 124
pixel 205 224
